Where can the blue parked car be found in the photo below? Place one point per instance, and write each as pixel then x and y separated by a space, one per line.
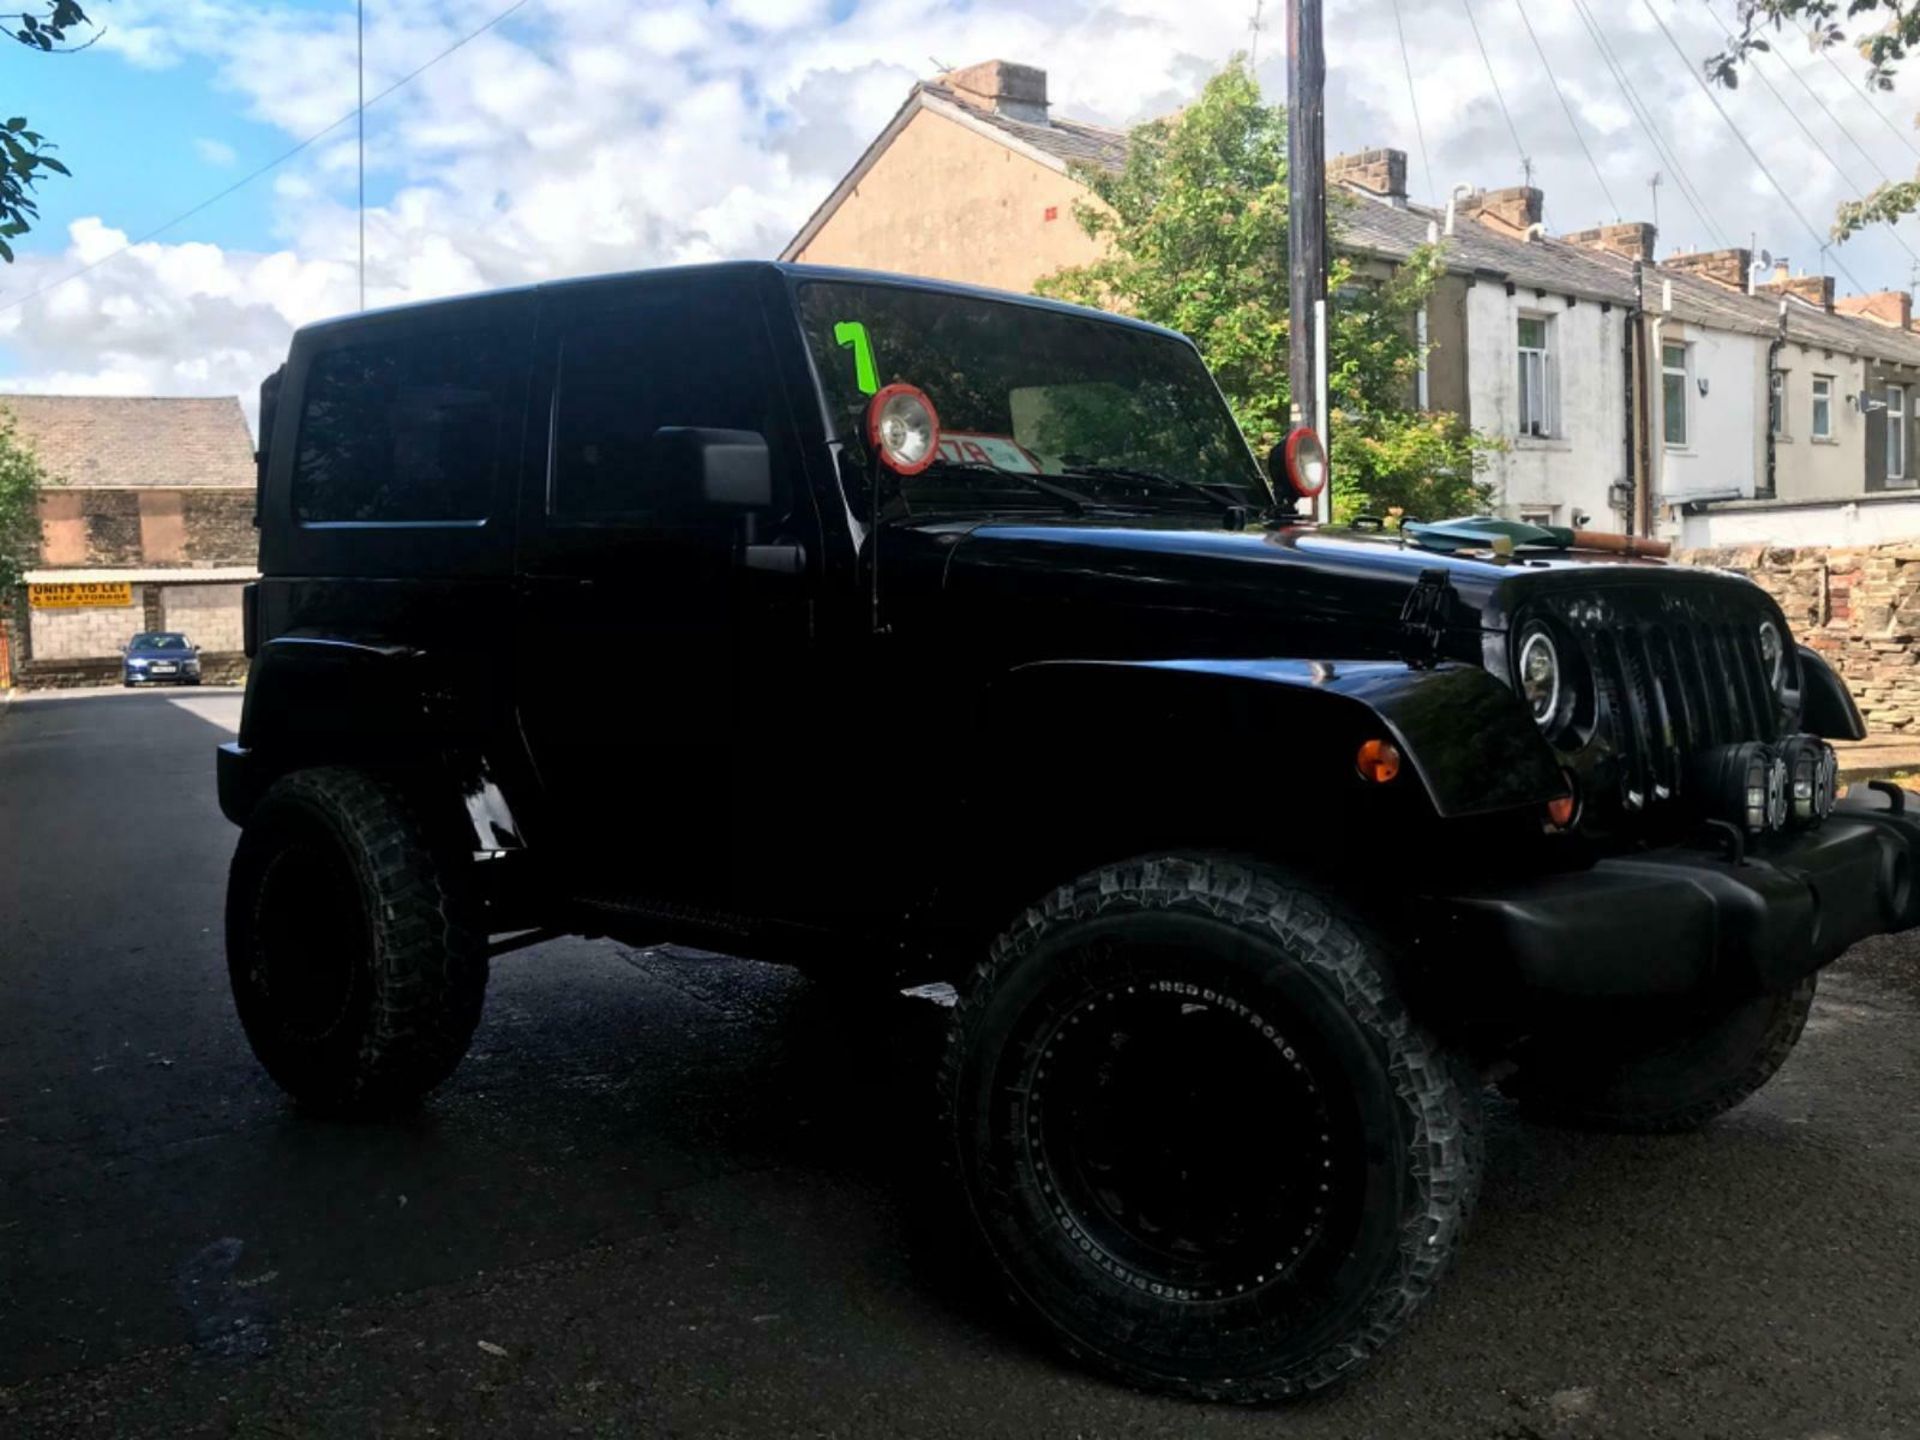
pixel 160 657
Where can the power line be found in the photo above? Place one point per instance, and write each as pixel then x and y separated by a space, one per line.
pixel 1814 141
pixel 1826 110
pixel 272 164
pixel 1494 81
pixel 1547 65
pixel 1752 154
pixel 1419 132
pixel 1867 95
pixel 1662 150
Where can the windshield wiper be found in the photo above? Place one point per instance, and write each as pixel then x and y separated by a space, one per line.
pixel 1059 492
pixel 1156 477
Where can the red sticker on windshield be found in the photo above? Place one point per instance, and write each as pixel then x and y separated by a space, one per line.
pixel 1003 452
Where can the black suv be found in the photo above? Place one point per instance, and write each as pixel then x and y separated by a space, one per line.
pixel 896 629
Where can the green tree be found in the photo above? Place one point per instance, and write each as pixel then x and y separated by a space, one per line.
pixel 24 156
pixel 1887 31
pixel 20 480
pixel 1195 238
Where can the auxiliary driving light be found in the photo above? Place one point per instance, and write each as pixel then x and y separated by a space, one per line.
pixel 1305 462
pixel 1378 761
pixel 1813 778
pixel 1746 784
pixel 903 429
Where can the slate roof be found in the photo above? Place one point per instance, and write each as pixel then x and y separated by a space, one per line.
pixel 1074 141
pixel 114 440
pixel 1393 232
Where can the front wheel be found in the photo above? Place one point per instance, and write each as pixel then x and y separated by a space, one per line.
pixel 1661 1074
pixel 357 957
pixel 1202 1138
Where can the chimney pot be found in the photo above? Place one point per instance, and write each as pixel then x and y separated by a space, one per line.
pixel 1892 308
pixel 1726 268
pixel 1512 209
pixel 1017 91
pixel 1814 289
pixel 1380 172
pixel 1633 239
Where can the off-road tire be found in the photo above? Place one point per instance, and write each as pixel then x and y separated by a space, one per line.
pixel 1273 952
pixel 378 1019
pixel 1696 1068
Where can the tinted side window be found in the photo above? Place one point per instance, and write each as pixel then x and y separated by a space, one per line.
pixel 405 429
pixel 695 357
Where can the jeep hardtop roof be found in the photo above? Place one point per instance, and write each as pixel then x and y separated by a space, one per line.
pixel 793 275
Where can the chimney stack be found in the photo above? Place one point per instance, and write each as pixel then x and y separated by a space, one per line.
pixel 1382 173
pixel 1892 308
pixel 1726 268
pixel 1018 92
pixel 1633 239
pixel 1513 209
pixel 1814 289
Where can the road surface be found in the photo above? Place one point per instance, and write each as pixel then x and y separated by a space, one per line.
pixel 689 1196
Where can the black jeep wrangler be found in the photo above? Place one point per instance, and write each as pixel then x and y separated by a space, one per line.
pixel 900 630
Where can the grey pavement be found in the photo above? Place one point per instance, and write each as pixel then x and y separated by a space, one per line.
pixel 682 1195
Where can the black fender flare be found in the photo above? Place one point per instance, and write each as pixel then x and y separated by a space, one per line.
pixel 1472 746
pixel 329 700
pixel 1827 707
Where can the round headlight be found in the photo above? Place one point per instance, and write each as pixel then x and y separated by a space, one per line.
pixel 1773 653
pixel 1540 676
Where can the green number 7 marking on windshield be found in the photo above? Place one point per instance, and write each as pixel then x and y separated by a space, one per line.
pixel 852 334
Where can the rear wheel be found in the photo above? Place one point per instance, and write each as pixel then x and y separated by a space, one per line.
pixel 1201 1136
pixel 357 959
pixel 1664 1074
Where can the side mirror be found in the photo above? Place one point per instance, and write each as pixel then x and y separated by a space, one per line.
pixel 699 468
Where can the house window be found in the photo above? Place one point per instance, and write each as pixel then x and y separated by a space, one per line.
pixel 1896 434
pixel 1673 392
pixel 1537 514
pixel 1777 402
pixel 1536 378
pixel 1823 407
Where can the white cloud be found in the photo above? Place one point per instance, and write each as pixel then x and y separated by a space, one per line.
pixel 597 136
pixel 215 152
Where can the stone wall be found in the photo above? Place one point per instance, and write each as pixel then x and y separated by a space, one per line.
pixel 191 526
pixel 1860 608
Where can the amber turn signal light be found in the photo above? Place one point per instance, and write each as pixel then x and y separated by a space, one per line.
pixel 1560 812
pixel 1378 761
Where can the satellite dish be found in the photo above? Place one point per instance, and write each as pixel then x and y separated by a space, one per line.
pixel 1764 260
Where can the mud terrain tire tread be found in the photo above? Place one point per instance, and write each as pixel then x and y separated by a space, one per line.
pixel 429 963
pixel 1441 1094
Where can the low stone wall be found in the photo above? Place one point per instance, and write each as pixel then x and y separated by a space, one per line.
pixel 79 674
pixel 1860 608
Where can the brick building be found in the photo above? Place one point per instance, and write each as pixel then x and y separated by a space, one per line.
pixel 146 524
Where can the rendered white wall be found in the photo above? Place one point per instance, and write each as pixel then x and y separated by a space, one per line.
pixel 1726 427
pixel 1574 469
pixel 1868 522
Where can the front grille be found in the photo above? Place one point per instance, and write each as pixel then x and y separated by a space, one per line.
pixel 1671 671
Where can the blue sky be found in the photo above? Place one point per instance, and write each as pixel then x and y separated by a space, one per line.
pixel 591 135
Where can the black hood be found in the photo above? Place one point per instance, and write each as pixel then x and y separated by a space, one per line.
pixel 1132 587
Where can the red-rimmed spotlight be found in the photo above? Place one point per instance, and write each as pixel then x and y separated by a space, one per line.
pixel 903 429
pixel 1305 462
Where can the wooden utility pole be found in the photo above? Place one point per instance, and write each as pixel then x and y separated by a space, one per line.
pixel 1307 218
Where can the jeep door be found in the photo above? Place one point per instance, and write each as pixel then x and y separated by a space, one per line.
pixel 650 657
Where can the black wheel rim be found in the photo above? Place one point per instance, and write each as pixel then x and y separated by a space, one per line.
pixel 310 943
pixel 1182 1137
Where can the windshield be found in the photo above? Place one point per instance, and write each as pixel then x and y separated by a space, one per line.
pixel 159 642
pixel 1037 408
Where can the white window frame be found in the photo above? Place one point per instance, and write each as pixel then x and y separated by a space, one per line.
pixel 1822 397
pixel 1685 371
pixel 1896 449
pixel 1537 514
pixel 1534 401
pixel 1777 403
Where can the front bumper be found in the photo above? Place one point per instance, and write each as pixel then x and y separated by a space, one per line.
pixel 1694 922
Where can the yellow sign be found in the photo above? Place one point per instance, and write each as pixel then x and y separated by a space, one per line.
pixel 83 595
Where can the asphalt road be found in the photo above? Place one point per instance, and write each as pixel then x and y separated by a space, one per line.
pixel 680 1195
